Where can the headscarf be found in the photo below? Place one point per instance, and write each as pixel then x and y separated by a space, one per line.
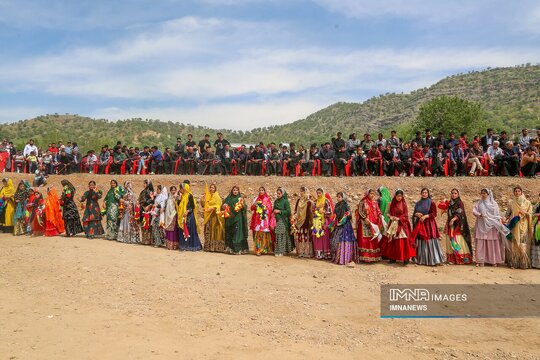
pixel 265 200
pixel 321 200
pixel 66 183
pixel 182 206
pixel 52 210
pixel 342 207
pixel 162 197
pixel 170 210
pixel 374 212
pixel 8 190
pixel 423 205
pixel 21 195
pixel 145 197
pixel 301 208
pixel 398 204
pixel 212 201
pixel 491 216
pixel 384 201
pixel 456 208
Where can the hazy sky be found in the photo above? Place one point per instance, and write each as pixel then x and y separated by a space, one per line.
pixel 244 63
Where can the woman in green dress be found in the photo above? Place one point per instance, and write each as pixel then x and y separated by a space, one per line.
pixel 282 211
pixel 236 225
pixel 112 209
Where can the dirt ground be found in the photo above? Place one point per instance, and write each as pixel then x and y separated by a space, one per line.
pixel 96 299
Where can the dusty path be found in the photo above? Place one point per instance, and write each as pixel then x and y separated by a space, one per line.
pixel 88 299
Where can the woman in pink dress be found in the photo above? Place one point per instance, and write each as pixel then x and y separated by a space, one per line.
pixel 263 223
pixel 323 217
pixel 489 232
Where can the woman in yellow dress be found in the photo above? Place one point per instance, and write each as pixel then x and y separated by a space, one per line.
pixel 7 207
pixel 214 223
pixel 519 220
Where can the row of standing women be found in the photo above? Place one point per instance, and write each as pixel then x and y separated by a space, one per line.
pixel 315 227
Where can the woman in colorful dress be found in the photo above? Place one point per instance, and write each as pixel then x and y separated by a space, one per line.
pixel 370 228
pixel 37 218
pixel 187 220
pixel 20 198
pixel 489 232
pixel 214 223
pixel 236 224
pixel 535 252
pixel 282 212
pixel 129 230
pixel 112 210
pixel 7 205
pixel 343 244
pixel 170 222
pixel 158 216
pixel 70 213
pixel 146 202
pixel 92 213
pixel 519 220
pixel 398 239
pixel 54 224
pixel 303 221
pixel 425 232
pixel 263 223
pixel 323 218
pixel 458 234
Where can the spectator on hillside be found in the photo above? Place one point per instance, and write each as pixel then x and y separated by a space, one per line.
pixel 380 140
pixel 327 159
pixel 509 162
pixel 393 141
pixel 524 139
pixel 529 162
pixel 494 154
pixel 104 157
pixel 487 140
pixel 156 164
pixel 190 142
pixel 29 147
pixel 204 143
pixel 219 144
pixel 337 142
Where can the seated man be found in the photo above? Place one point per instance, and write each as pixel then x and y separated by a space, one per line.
pixel 226 158
pixel 494 154
pixel 19 162
pixel 374 158
pixel 389 160
pixel 273 163
pixel 404 160
pixel 359 162
pixel 439 158
pixel 509 162
pixel 156 165
pixel 104 157
pixel 309 158
pixel 207 163
pixel 255 161
pixel 341 158
pixel 529 162
pixel 327 159
pixel 91 161
pixel 419 161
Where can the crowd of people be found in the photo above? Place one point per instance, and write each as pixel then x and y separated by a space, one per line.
pixel 425 155
pixel 379 227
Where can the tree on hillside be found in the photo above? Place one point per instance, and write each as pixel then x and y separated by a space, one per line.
pixel 449 114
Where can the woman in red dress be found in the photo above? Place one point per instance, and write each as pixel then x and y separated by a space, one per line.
pixel 398 240
pixel 369 227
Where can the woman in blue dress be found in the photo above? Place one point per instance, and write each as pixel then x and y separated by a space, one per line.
pixel 187 220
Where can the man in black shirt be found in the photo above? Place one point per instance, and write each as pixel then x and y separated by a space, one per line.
pixel 179 148
pixel 256 159
pixel 190 142
pixel 404 160
pixel 219 144
pixel 204 143
pixel 327 159
pixel 509 162
pixel 340 160
pixel 388 160
pixel 337 142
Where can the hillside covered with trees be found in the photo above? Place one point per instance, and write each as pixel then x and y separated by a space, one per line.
pixel 508 97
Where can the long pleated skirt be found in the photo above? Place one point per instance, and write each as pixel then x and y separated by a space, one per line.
pixel 429 252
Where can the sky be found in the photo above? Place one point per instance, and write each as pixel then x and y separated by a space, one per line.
pixel 244 64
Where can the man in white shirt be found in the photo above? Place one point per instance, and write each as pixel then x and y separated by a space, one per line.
pixel 494 153
pixel 28 148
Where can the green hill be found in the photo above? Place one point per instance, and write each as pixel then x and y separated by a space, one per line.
pixel 510 98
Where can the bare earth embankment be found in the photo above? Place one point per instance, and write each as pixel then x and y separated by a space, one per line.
pixel 95 299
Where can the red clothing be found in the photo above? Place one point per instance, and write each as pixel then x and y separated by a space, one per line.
pixel 399 248
pixel 427 230
pixel 369 230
